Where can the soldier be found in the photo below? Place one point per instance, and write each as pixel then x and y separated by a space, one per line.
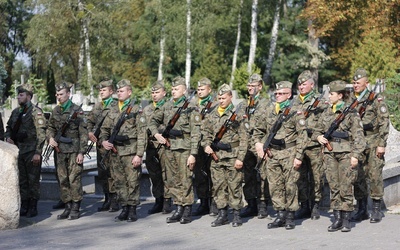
pixel 1 129
pixel 126 150
pixel 311 171
pixel 95 120
pixel 180 155
pixel 287 148
pixel 154 159
pixel 375 119
pixel 341 162
pixel 226 173
pixel 26 129
pixel 69 150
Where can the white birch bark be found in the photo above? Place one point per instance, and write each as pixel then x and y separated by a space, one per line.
pixel 188 40
pixel 253 41
pixel 235 52
pixel 314 41
pixel 162 44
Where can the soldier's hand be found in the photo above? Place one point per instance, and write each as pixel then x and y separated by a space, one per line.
pixel 353 162
pixel 380 152
pixel 208 150
pixel 191 161
pixel 297 163
pixel 79 158
pixel 260 149
pixel 238 164
pixel 107 145
pixel 136 161
pixel 52 142
pixel 92 137
pixel 9 140
pixel 160 138
pixel 322 140
pixel 36 160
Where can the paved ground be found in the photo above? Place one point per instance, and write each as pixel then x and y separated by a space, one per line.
pixel 95 230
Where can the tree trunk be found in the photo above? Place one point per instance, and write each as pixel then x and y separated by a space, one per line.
pixel 235 52
pixel 188 38
pixel 313 40
pixel 253 41
pixel 162 43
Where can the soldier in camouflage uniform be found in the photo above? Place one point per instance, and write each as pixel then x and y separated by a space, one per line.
pixel 26 128
pixel 95 120
pixel 72 146
pixel 180 156
pixel 375 121
pixel 341 163
pixel 126 150
pixel 226 173
pixel 311 171
pixel 287 148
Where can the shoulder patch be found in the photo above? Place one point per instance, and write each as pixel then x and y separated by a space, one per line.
pixel 197 118
pixel 142 120
pixel 383 109
pixel 40 121
pixel 302 122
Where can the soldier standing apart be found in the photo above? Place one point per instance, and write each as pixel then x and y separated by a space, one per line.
pixel 180 156
pixel 95 120
pixel 69 150
pixel 26 129
pixel 348 144
pixel 226 173
pixel 126 150
pixel 375 119
pixel 155 161
pixel 311 171
pixel 287 148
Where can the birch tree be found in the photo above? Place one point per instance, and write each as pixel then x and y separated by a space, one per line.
pixel 162 44
pixel 188 40
pixel 235 52
pixel 253 41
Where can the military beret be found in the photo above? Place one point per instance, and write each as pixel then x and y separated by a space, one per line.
pixel 178 81
pixel 25 88
pixel 124 83
pixel 157 85
pixel 255 78
pixel 224 88
pixel 284 85
pixel 63 85
pixel 360 73
pixel 203 82
pixel 337 86
pixel 304 76
pixel 105 83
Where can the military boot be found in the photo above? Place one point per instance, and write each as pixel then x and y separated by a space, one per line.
pixel 167 206
pixel 315 215
pixel 213 208
pixel 337 223
pixel 222 218
pixel 114 206
pixel 346 223
pixel 279 220
pixel 187 215
pixel 24 208
pixel 262 210
pixel 203 209
pixel 362 213
pixel 131 214
pixel 376 215
pixel 124 214
pixel 106 204
pixel 304 212
pixel 251 209
pixel 177 215
pixel 157 207
pixel 289 223
pixel 60 204
pixel 66 212
pixel 74 210
pixel 237 220
pixel 32 211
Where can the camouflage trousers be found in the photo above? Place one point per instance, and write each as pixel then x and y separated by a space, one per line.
pixel 153 166
pixel 340 177
pixel 227 184
pixel 178 176
pixel 252 186
pixel 311 174
pixel 70 176
pixel 202 175
pixel 104 175
pixel 29 177
pixel 370 172
pixel 126 179
pixel 264 185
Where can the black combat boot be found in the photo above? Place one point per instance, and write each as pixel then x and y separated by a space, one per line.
pixel 346 223
pixel 66 212
pixel 106 204
pixel 362 213
pixel 213 208
pixel 304 212
pixel 177 215
pixel 157 207
pixel 131 214
pixel 337 223
pixel 24 208
pixel 315 215
pixel 251 209
pixel 222 218
pixel 60 204
pixel 289 223
pixel 114 206
pixel 167 206
pixel 74 210
pixel 376 215
pixel 187 215
pixel 32 211
pixel 237 220
pixel 203 209
pixel 262 210
pixel 124 214
pixel 279 220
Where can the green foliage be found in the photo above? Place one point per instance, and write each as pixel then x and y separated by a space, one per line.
pixel 3 75
pixel 241 78
pixel 39 89
pixel 392 94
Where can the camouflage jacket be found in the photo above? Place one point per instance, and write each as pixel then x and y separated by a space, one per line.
pixel 76 130
pixel 32 131
pixel 98 113
pixel 148 112
pixel 201 107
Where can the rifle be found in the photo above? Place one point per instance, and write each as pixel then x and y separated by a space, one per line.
pixel 251 107
pixel 49 150
pixel 335 124
pixel 314 104
pixel 371 97
pixel 206 109
pixel 96 134
pixel 17 125
pixel 275 127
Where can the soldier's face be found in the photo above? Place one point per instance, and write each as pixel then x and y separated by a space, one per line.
pixel 124 93
pixel 253 87
pixel 23 98
pixel 360 85
pixel 203 91
pixel 178 91
pixel 105 93
pixel 62 95
pixel 282 95
pixel 334 97
pixel 306 87
pixel 224 100
pixel 158 95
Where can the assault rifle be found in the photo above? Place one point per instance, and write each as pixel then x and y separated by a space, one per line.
pixel 371 97
pixel 206 109
pixel 335 124
pixel 313 105
pixel 49 150
pixel 96 134
pixel 251 107
pixel 17 125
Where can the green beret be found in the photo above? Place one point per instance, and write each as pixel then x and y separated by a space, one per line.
pixel 224 88
pixel 284 85
pixel 157 85
pixel 124 83
pixel 25 88
pixel 178 81
pixel 105 83
pixel 63 85
pixel 203 82
pixel 255 78
pixel 304 76
pixel 337 86
pixel 360 73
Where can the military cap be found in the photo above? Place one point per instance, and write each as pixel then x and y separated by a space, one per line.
pixel 105 83
pixel 304 76
pixel 284 85
pixel 25 88
pixel 157 85
pixel 178 81
pixel 224 88
pixel 360 73
pixel 63 85
pixel 203 82
pixel 124 83
pixel 255 78
pixel 337 86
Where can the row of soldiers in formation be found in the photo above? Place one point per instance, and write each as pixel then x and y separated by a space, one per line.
pixel 267 151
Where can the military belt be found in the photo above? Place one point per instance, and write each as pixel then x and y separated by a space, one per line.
pixel 283 146
pixel 227 146
pixel 337 139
